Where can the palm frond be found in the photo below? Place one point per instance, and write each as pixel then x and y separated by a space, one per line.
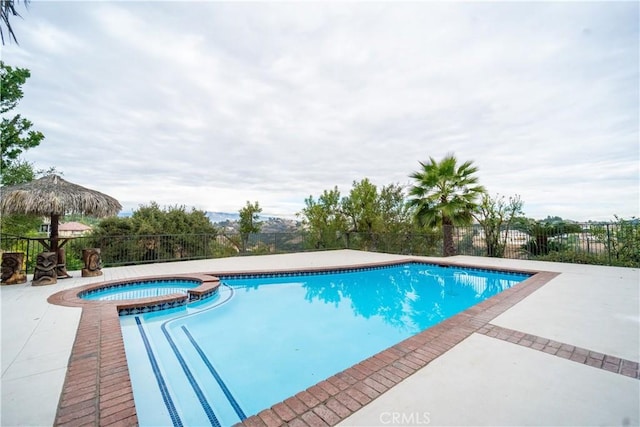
pixel 7 10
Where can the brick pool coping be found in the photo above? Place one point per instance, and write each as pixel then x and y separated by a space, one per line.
pixel 97 388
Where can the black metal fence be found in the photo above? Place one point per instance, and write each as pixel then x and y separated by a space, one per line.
pixel 606 244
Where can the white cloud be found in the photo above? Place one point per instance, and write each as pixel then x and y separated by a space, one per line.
pixel 210 104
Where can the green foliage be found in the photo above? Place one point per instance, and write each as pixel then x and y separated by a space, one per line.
pixel 466 244
pixel 362 211
pixel 113 226
pixel 110 235
pixel 151 219
pixel 573 256
pixel 542 234
pixel 324 221
pixel 366 220
pixel 361 207
pixel 249 216
pixel 444 195
pixel 152 233
pixel 260 248
pixel 423 241
pixel 18 172
pixel 225 250
pixel 73 256
pixel 395 216
pixel 21 225
pixel 621 240
pixel 16 134
pixel 496 215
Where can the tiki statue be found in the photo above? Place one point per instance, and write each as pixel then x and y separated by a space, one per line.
pixel 12 268
pixel 45 273
pixel 92 262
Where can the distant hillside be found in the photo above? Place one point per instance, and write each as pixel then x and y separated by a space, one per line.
pixel 230 223
pixel 216 217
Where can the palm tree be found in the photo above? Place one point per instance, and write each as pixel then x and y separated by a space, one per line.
pixel 7 10
pixel 445 195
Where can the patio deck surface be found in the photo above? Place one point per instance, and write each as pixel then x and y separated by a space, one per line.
pixel 567 354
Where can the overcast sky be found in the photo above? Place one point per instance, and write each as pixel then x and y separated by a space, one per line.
pixel 212 104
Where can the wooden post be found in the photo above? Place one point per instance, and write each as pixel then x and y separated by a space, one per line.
pixel 53 233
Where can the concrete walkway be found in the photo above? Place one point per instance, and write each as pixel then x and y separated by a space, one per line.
pixel 484 380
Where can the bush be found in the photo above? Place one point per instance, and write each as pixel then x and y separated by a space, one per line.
pixel 585 258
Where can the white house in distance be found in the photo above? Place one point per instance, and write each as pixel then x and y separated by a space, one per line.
pixel 68 229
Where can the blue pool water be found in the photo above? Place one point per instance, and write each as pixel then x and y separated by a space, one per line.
pixel 151 288
pixel 262 340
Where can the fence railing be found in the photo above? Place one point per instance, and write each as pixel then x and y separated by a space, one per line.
pixel 606 244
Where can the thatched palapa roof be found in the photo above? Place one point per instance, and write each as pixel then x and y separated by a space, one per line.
pixel 52 195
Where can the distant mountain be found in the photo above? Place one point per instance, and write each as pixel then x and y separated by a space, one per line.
pixel 216 217
pixel 230 222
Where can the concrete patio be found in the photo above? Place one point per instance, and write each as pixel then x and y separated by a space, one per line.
pixel 548 360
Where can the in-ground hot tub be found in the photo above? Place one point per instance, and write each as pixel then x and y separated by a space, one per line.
pixel 147 294
pixel 140 289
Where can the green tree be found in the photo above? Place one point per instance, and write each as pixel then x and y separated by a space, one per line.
pixel 496 215
pixel 152 219
pixel 445 195
pixel 18 172
pixel 362 209
pixel 368 219
pixel 249 222
pixel 116 239
pixel 375 216
pixel 155 233
pixel 323 219
pixel 113 226
pixel 395 216
pixel 16 135
pixel 400 232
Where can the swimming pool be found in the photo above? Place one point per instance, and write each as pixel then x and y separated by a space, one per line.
pixel 262 339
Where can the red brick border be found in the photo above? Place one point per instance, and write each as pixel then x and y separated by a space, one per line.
pixel 97 388
pixel 607 362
